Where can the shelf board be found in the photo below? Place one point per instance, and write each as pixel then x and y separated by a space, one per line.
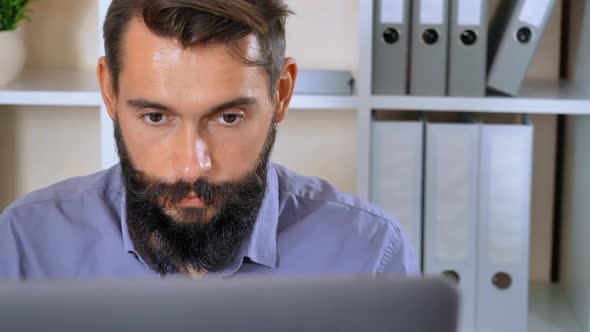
pixel 52 88
pixel 549 310
pixel 80 88
pixel 537 97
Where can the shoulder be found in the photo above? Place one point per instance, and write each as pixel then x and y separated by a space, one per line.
pixel 49 226
pixel 321 207
pixel 105 181
pixel 316 190
pixel 69 200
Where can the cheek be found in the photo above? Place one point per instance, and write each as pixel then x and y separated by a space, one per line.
pixel 147 151
pixel 233 155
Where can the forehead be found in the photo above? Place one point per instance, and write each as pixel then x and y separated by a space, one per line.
pixel 161 66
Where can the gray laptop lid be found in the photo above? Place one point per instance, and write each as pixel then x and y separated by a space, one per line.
pixel 340 304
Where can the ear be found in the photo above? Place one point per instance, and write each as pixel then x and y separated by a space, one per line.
pixel 106 87
pixel 285 88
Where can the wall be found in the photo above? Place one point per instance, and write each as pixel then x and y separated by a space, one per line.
pixel 322 143
pixel 43 145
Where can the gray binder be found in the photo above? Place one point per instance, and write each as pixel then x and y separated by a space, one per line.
pixel 396 174
pixel 428 68
pixel 450 210
pixel 324 82
pixel 467 48
pixel 504 227
pixel 391 42
pixel 515 34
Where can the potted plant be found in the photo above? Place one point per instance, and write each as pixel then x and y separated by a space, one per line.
pixel 12 48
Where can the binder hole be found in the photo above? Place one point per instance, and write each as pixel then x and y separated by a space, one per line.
pixel 468 37
pixel 390 36
pixel 452 276
pixel 502 280
pixel 430 36
pixel 524 35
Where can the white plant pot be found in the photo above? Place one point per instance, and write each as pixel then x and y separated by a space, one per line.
pixel 12 55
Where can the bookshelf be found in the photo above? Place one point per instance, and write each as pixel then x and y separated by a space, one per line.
pixel 537 97
pixel 80 88
pixel 550 307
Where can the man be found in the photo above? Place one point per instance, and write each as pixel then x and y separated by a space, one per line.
pixel 195 89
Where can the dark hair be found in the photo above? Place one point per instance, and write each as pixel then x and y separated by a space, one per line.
pixel 199 22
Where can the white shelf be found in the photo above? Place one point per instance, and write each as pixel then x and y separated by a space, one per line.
pixel 52 88
pixel 80 88
pixel 537 97
pixel 549 310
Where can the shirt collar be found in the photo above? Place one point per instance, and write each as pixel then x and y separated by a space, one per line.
pixel 259 248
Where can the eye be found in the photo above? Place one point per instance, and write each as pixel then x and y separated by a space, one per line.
pixel 155 118
pixel 230 119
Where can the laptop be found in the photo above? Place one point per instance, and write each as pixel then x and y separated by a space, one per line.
pixel 263 304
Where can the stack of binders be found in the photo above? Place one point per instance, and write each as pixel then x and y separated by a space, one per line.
pixel 396 170
pixel 441 47
pixel 450 209
pixel 515 35
pixel 476 218
pixel 471 222
pixel 428 63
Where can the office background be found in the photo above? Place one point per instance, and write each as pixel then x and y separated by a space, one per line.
pixel 42 145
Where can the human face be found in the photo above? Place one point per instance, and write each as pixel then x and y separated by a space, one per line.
pixel 190 118
pixel 196 112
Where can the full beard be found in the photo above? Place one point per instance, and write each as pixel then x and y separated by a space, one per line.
pixel 191 240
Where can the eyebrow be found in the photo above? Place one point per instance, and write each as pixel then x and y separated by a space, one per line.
pixel 242 101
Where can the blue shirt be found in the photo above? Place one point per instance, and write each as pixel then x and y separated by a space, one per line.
pixel 77 229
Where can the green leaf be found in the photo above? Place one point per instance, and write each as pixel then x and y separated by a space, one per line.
pixel 14 11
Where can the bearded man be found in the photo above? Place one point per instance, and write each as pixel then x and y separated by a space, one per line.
pixel 196 89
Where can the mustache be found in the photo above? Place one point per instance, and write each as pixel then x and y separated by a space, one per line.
pixel 173 193
pixel 144 188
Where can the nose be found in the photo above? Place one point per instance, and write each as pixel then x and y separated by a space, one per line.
pixel 194 159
